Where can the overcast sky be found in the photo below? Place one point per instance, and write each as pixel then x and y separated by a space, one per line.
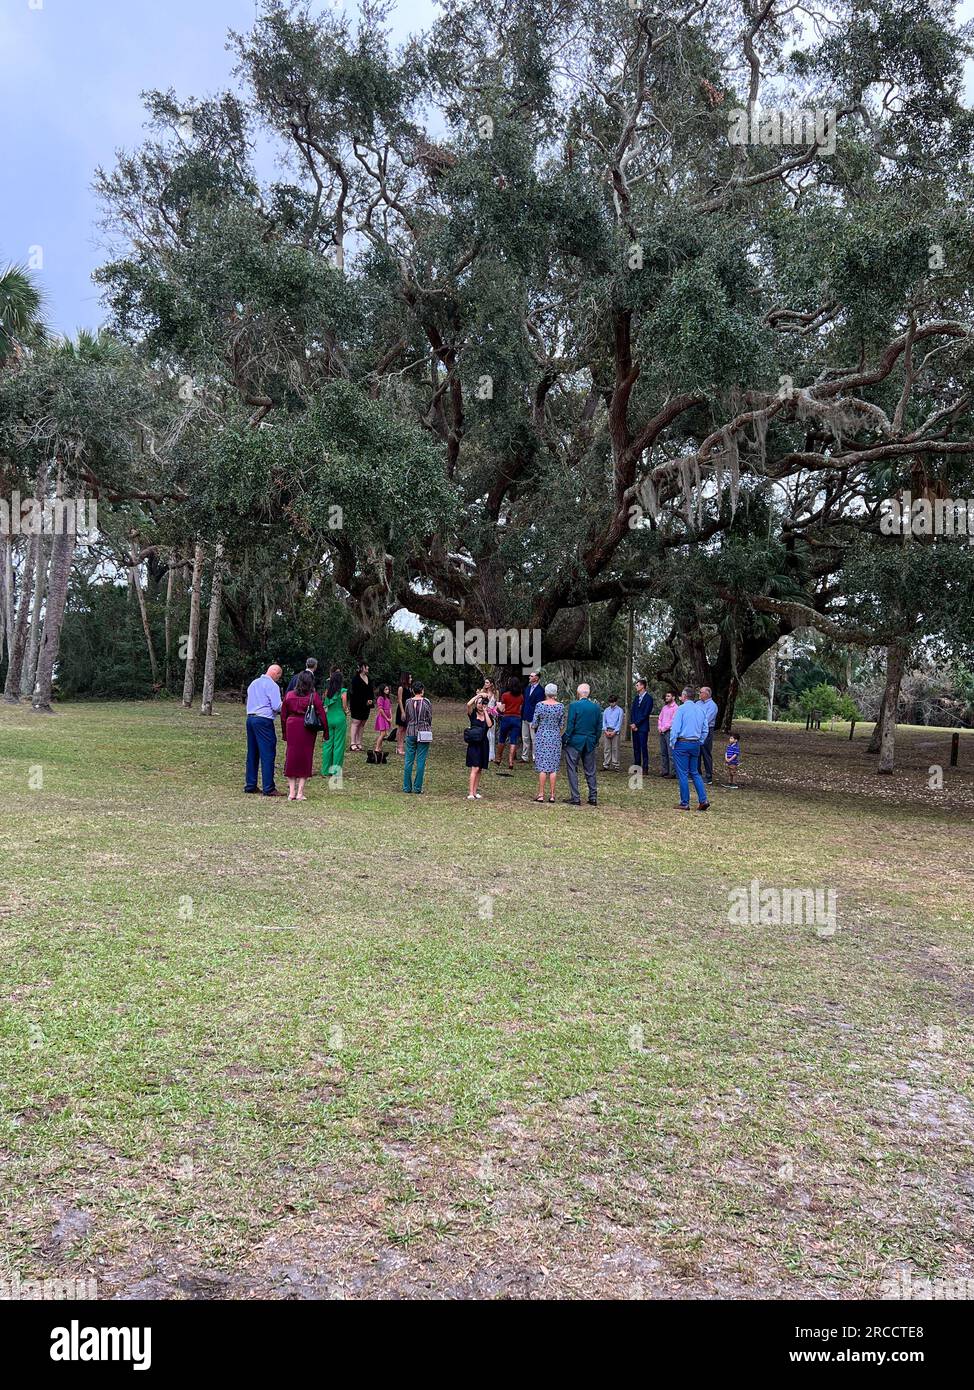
pixel 70 76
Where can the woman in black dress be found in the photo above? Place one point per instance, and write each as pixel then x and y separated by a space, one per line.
pixel 402 695
pixel 361 698
pixel 478 743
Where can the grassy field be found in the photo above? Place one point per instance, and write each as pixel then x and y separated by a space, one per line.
pixel 372 1046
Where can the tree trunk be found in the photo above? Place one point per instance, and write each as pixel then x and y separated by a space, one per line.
pixel 170 587
pixel 875 738
pixel 136 582
pixel 735 657
pixel 627 682
pixel 4 547
pixel 62 555
pixel 19 629
pixel 895 665
pixel 34 641
pixel 17 644
pixel 193 639
pixel 213 631
pixel 8 590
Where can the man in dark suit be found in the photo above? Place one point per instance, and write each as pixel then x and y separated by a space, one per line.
pixel 310 665
pixel 642 708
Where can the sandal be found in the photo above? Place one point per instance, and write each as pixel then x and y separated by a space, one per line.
pixel 539 798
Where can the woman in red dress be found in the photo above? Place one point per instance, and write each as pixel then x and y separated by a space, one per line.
pixel 300 740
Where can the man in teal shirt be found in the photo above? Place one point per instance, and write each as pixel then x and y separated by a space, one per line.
pixel 582 733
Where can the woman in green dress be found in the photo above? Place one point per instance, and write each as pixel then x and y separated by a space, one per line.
pixel 336 708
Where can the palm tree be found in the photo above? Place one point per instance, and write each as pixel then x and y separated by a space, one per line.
pixel 21 306
pixel 87 349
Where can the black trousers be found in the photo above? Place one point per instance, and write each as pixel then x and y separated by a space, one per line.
pixel 707 756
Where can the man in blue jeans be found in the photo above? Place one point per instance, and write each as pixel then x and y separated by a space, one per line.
pixel 263 705
pixel 687 733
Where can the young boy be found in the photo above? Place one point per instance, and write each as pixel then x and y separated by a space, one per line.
pixel 732 758
pixel 611 734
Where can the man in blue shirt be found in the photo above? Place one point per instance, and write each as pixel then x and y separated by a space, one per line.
pixel 687 733
pixel 707 747
pixel 642 708
pixel 611 734
pixel 263 704
pixel 533 695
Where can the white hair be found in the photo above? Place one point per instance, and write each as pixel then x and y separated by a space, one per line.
pixel 584 690
pixel 551 688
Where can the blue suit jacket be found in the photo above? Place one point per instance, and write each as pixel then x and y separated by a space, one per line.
pixel 642 708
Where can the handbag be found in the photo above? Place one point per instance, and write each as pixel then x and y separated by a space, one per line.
pixel 422 735
pixel 311 719
pixel 475 733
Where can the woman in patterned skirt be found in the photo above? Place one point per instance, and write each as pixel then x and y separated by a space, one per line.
pixel 547 725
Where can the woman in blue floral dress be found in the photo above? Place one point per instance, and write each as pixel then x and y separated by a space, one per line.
pixel 547 724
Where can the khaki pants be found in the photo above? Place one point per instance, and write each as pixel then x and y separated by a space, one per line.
pixel 527 740
pixel 610 751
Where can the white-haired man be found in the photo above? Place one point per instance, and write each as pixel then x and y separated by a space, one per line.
pixel 709 707
pixel 582 733
pixel 263 705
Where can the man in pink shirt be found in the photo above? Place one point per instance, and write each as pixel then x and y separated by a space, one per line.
pixel 667 714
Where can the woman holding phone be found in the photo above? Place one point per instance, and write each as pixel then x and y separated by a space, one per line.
pixel 477 739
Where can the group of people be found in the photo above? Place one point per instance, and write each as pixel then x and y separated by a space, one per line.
pixel 530 717
pixel 549 732
pixel 340 712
